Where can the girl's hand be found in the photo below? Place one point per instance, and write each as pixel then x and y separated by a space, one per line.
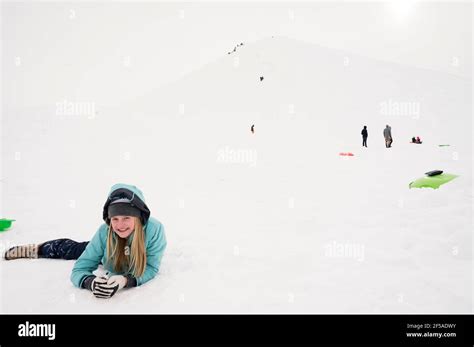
pixel 108 288
pixel 119 280
pixel 98 286
pixel 92 281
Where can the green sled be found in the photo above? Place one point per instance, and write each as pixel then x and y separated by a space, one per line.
pixel 5 224
pixel 432 181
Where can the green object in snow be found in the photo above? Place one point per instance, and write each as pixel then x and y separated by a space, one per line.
pixel 443 145
pixel 432 181
pixel 5 224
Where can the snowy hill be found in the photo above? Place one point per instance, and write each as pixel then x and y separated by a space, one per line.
pixel 274 221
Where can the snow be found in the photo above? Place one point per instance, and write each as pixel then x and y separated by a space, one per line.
pixel 271 222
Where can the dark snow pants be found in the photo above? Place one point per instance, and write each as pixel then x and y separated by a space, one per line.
pixel 62 249
pixel 364 141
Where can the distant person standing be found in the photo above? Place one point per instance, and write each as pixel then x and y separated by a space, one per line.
pixel 252 129
pixel 365 134
pixel 387 134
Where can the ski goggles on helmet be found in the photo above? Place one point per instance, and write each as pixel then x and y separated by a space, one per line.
pixel 126 196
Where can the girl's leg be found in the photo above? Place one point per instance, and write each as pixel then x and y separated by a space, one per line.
pixel 61 249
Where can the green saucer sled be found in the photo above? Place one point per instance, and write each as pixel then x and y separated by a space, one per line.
pixel 432 181
pixel 5 224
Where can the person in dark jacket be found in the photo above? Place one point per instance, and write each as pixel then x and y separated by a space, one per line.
pixel 365 134
pixel 387 134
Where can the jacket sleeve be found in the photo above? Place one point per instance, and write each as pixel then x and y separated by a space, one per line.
pixel 90 258
pixel 154 252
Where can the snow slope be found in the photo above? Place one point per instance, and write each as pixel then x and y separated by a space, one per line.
pixel 269 222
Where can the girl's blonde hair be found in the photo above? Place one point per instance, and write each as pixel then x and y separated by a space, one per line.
pixel 127 259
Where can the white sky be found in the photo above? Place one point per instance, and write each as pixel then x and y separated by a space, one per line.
pixel 119 50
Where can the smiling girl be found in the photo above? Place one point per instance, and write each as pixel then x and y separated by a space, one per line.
pixel 130 245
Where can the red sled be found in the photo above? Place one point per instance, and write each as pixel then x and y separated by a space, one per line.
pixel 348 154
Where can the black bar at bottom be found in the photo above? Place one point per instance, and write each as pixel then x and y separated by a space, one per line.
pixel 443 330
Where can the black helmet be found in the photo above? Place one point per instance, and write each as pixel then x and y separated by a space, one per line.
pixel 126 195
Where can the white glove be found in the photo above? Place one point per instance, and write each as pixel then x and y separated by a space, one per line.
pixel 108 288
pixel 119 280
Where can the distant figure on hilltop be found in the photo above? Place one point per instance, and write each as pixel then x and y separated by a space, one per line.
pixel 235 48
pixel 365 134
pixel 387 134
pixel 252 129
